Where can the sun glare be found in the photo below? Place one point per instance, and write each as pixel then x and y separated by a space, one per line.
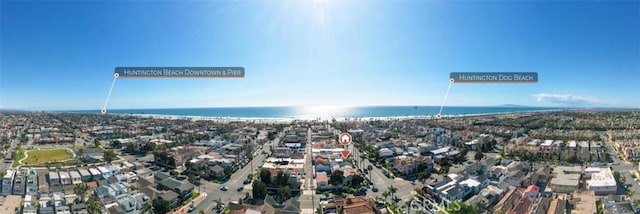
pixel 322 111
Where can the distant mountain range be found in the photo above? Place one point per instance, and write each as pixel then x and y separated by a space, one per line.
pixel 514 105
pixel 10 110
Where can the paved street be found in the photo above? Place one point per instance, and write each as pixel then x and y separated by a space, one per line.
pixel 383 183
pixel 625 169
pixel 213 189
pixel 308 200
pixel 5 166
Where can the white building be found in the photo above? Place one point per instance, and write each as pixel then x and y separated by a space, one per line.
pixel 7 182
pixel 65 178
pixel 384 152
pixel 54 179
pixel 85 174
pixel 106 173
pixel 95 173
pixel 75 177
pixel 602 182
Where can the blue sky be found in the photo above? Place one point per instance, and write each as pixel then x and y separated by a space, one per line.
pixel 61 54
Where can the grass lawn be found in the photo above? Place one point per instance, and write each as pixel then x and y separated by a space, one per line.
pixel 18 156
pixel 46 155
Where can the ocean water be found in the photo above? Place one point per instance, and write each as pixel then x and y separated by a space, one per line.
pixel 322 112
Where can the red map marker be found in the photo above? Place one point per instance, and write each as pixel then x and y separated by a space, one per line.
pixel 345 153
pixel 345 138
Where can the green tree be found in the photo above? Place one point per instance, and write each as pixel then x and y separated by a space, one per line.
pixel 422 176
pixel 337 177
pixel 630 193
pixel 192 178
pixel 108 155
pixel 386 194
pixel 115 144
pixel 407 204
pixel 326 194
pixel 282 178
pixel 478 156
pixel 218 202
pixel 480 207
pixel 80 189
pixel 284 193
pixel 356 181
pixel 96 143
pixel 259 190
pixel 265 176
pixel 92 205
pixel 161 206
pixel 392 190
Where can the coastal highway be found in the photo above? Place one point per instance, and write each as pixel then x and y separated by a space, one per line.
pixel 213 189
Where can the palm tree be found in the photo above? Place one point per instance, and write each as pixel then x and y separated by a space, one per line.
pixel 630 193
pixel 218 202
pixel 80 190
pixel 92 205
pixel 563 146
pixel 385 194
pixel 326 194
pixel 480 207
pixel 147 207
pixel 408 205
pixel 392 190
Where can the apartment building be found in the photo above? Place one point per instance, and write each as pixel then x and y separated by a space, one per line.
pixel 7 182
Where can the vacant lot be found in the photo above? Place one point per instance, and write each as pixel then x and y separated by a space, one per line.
pixel 43 156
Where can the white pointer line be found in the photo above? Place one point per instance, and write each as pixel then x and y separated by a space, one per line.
pixel 109 95
pixel 446 94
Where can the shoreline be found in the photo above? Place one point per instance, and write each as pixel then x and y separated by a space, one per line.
pixel 320 118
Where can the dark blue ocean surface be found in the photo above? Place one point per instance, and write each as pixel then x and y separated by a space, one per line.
pixel 322 112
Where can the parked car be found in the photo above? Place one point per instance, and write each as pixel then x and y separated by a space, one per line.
pixel 224 188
